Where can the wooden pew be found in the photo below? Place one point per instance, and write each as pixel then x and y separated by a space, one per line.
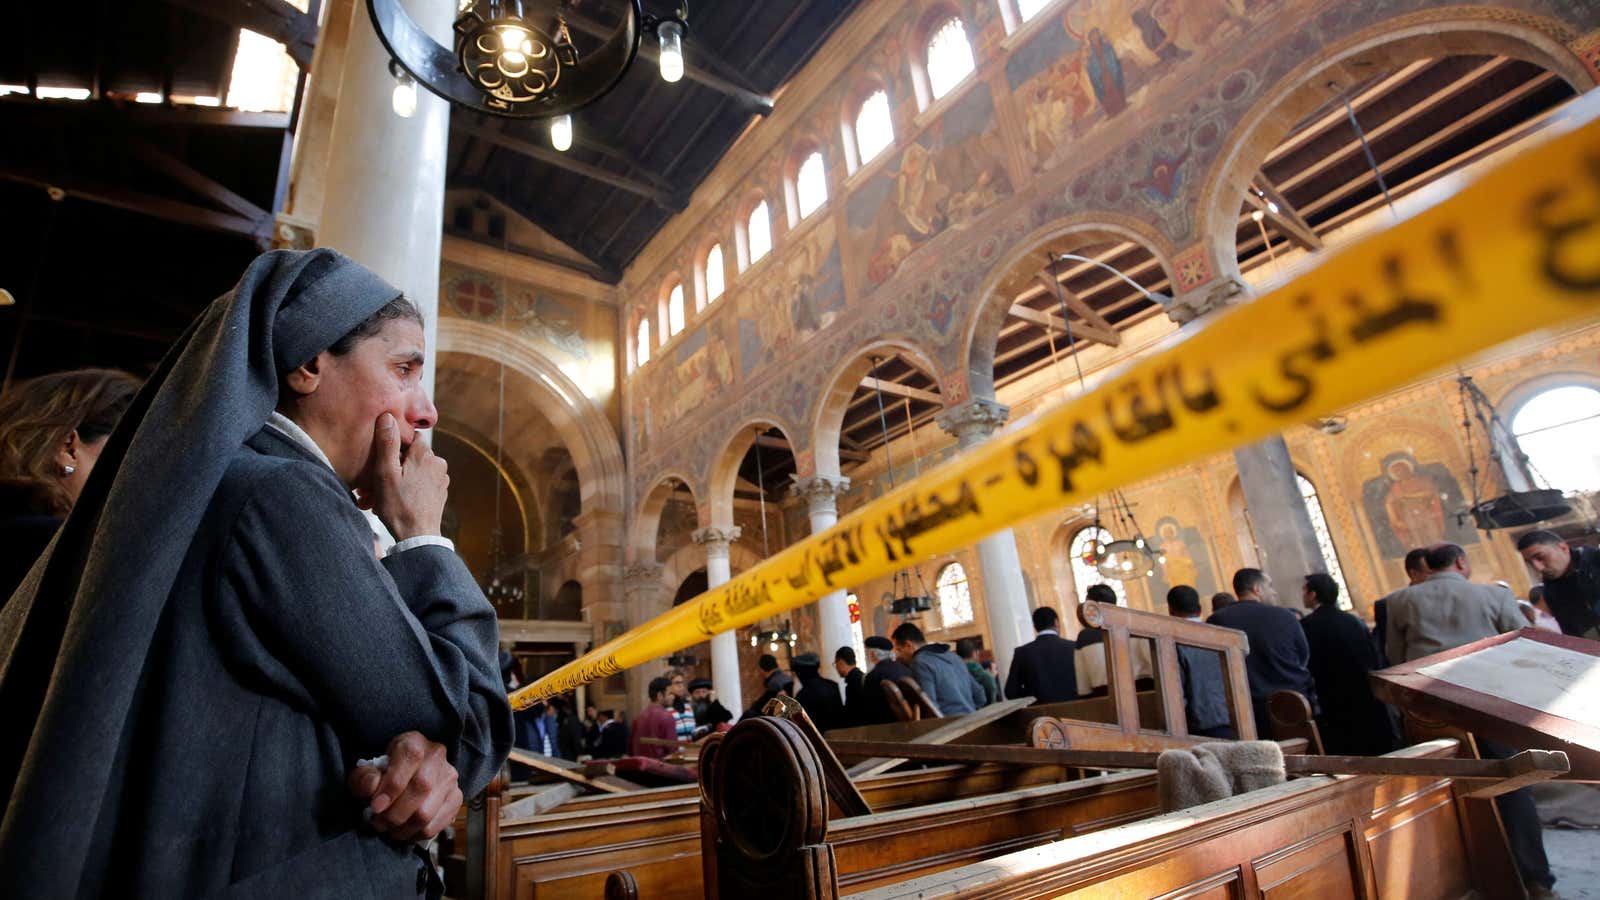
pixel 570 850
pixel 1346 836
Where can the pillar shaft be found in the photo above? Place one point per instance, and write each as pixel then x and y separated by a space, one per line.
pixel 646 597
pixel 383 202
pixel 724 646
pixel 833 610
pixel 1005 595
pixel 1280 522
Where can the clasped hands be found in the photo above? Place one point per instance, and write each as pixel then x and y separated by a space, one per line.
pixel 416 795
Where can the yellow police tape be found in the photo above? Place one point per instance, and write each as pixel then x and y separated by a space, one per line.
pixel 1514 252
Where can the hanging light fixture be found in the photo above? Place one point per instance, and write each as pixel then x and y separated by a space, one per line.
pixel 561 133
pixel 404 99
pixel 901 599
pixel 531 58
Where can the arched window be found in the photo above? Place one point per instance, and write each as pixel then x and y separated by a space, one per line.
pixel 714 274
pixel 874 127
pixel 1319 524
pixel 949 57
pixel 955 599
pixel 811 184
pixel 641 347
pixel 675 309
pixel 1083 574
pixel 758 231
pixel 1030 8
pixel 1559 430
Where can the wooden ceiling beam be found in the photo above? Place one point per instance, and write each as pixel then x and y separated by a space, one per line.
pixel 193 179
pixel 276 19
pixel 666 200
pixel 650 52
pixel 901 390
pixel 1272 205
pixel 258 230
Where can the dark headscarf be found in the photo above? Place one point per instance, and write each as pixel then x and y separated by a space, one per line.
pixel 75 636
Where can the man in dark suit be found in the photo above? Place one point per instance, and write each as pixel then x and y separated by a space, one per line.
pixel 611 736
pixel 1043 668
pixel 1353 722
pixel 874 705
pixel 844 662
pixel 1279 655
pixel 819 696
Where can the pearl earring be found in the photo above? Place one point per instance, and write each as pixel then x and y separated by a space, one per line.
pixel 68 470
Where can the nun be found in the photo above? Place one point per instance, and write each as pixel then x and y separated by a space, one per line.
pixel 212 685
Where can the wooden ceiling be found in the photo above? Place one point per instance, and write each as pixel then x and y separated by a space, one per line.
pixel 641 150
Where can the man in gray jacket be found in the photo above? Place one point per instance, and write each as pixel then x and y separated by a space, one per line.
pixel 940 674
pixel 1445 612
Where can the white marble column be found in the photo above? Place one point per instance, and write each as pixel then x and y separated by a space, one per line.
pixel 383 204
pixel 821 493
pixel 1281 522
pixel 724 646
pixel 1005 596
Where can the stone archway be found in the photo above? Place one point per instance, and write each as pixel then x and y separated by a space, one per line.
pixel 1014 269
pixel 842 385
pixel 724 470
pixel 1459 31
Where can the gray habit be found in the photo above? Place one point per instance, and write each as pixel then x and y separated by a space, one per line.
pixel 208 646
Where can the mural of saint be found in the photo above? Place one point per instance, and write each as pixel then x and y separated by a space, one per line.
pixel 1414 505
pixel 1188 560
pixel 1105 72
pixel 918 192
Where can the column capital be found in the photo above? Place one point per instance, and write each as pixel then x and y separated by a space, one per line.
pixel 717 540
pixel 973 421
pixel 821 492
pixel 1214 294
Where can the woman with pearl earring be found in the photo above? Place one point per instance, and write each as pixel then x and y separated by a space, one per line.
pixel 52 429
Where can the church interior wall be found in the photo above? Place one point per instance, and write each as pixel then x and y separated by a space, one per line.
pixel 908 246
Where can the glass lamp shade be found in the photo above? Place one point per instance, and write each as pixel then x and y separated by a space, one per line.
pixel 561 133
pixel 670 34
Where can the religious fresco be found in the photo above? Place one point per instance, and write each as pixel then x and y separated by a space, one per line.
pixel 802 294
pixel 1188 559
pixel 1413 504
pixel 1161 89
pixel 528 309
pixel 952 172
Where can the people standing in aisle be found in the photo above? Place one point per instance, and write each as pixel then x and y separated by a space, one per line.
pixel 1445 612
pixel 1205 688
pixel 774 681
pixel 1044 668
pixel 939 673
pixel 967 652
pixel 844 662
pixel 1571 577
pixel 819 696
pixel 709 712
pixel 1416 569
pixel 682 710
pixel 875 709
pixel 611 736
pixel 1353 721
pixel 654 721
pixel 1279 656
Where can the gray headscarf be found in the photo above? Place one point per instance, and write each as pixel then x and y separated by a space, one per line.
pixel 75 636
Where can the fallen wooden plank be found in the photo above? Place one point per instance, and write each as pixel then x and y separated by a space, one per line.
pixel 547 797
pixel 944 734
pixel 563 769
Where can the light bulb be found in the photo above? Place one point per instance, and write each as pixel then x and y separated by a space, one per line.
pixel 773 646
pixel 1272 207
pixel 1149 572
pixel 1258 215
pixel 670 34
pixel 1127 565
pixel 561 133
pixel 514 46
pixel 1162 559
pixel 1139 542
pixel 404 99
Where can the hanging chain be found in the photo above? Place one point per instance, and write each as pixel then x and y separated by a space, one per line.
pixel 761 485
